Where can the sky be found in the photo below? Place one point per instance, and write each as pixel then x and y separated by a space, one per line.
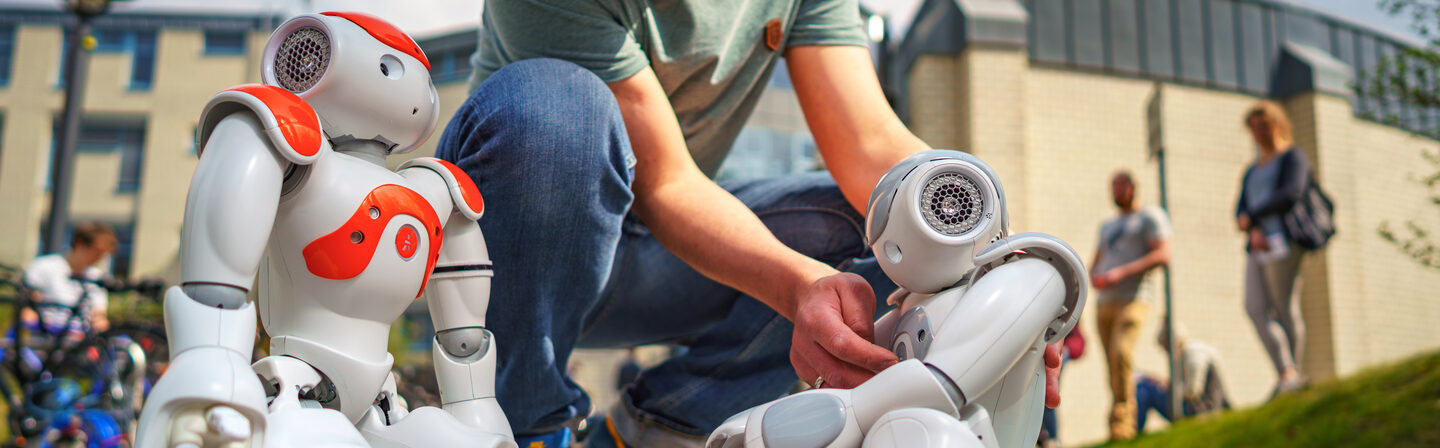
pixel 439 16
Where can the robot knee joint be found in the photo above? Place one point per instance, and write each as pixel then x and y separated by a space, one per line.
pixel 464 342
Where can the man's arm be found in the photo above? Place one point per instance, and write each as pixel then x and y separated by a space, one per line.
pixel 1159 255
pixel 860 138
pixel 1095 277
pixel 856 131
pixel 719 236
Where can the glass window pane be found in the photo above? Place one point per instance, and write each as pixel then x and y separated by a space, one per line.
pixel 1089 37
pixel 7 48
pixel 1124 36
pixel 142 73
pixel 224 42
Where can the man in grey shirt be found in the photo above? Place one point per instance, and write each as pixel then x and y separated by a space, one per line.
pixel 594 130
pixel 1130 245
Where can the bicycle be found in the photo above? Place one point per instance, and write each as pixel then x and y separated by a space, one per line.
pixel 71 386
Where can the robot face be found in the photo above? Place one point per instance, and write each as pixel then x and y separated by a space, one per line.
pixel 365 78
pixel 931 214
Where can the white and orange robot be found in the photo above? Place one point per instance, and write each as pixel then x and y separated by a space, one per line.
pixel 292 184
pixel 976 307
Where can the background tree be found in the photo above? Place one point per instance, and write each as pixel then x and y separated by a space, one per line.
pixel 1411 76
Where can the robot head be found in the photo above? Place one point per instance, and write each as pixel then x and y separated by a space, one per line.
pixel 365 78
pixel 930 215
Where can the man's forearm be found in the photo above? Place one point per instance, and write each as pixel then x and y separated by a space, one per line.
pixel 700 222
pixel 719 236
pixel 1154 258
pixel 857 133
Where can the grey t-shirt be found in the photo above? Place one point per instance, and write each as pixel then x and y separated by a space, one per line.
pixel 1127 238
pixel 1260 185
pixel 711 56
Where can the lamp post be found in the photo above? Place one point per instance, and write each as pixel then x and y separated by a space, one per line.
pixel 77 61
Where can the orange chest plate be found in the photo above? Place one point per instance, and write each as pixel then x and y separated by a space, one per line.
pixel 345 252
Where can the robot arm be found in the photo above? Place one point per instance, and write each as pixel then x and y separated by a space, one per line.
pixel 229 212
pixel 458 296
pixel 1027 291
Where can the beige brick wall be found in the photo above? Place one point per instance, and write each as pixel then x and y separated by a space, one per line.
pixel 1364 302
pixel 185 79
pixel 28 103
pixel 1383 304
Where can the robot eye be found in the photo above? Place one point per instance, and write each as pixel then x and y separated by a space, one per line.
pixel 391 67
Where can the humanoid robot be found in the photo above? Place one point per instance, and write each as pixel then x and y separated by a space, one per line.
pixel 292 183
pixel 974 312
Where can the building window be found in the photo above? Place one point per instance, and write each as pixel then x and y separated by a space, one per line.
pixel 450 66
pixel 142 70
pixel 224 43
pixel 7 48
pixel 97 135
pixel 124 249
pixel 112 40
pixel 139 43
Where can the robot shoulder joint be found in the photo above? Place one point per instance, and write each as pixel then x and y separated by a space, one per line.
pixel 291 124
pixel 462 188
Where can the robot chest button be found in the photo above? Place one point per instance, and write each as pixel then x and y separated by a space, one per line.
pixel 407 241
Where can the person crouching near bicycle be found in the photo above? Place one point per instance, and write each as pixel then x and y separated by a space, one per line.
pixel 58 282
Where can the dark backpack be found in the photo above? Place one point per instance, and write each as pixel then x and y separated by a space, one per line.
pixel 1311 222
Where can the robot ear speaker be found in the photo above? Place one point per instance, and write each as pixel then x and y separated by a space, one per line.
pixel 952 203
pixel 302 59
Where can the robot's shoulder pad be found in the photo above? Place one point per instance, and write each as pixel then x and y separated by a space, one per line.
pixel 462 188
pixel 290 122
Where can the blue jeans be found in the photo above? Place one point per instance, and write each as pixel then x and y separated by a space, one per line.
pixel 545 143
pixel 1149 395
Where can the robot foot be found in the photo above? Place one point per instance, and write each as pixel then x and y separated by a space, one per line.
pixel 312 428
pixel 428 426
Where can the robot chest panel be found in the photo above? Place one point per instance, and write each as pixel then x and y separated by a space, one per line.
pixel 361 227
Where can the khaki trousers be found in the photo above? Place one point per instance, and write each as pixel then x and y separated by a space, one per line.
pixel 1119 325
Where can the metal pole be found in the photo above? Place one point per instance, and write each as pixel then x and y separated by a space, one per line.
pixel 63 166
pixel 1175 392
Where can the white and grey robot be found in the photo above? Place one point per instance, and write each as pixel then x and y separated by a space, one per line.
pixel 974 312
pixel 292 183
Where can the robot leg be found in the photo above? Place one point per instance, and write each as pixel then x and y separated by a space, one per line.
pixel 209 396
pixel 471 416
pixel 296 420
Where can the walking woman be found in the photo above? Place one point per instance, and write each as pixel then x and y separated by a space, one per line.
pixel 1271 186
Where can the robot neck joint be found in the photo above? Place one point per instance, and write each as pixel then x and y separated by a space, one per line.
pixel 373 151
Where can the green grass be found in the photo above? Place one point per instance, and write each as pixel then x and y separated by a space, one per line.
pixel 1396 405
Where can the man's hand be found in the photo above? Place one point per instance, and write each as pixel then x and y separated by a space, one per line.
pixel 1107 279
pixel 1243 222
pixel 834 328
pixel 1052 375
pixel 1258 241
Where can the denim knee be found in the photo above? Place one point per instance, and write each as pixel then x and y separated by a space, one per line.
pixel 548 128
